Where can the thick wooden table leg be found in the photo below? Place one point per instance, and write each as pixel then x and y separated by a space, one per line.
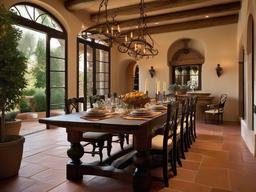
pixel 75 152
pixel 141 176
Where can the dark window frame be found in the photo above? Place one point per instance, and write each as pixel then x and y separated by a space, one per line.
pixel 94 46
pixel 50 33
pixel 189 65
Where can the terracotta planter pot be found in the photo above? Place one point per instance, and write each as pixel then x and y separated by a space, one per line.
pixel 13 127
pixel 11 155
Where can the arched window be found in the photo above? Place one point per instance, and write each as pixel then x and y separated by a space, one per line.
pixel 44 44
pixel 37 15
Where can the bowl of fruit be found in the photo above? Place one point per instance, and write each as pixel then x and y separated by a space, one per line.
pixel 135 99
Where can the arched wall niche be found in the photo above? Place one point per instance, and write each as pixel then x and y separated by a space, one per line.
pixel 179 44
pixel 185 52
pixel 130 71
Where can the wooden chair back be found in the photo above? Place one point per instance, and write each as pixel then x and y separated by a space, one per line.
pixel 74 104
pixel 223 99
pixel 95 98
pixel 170 128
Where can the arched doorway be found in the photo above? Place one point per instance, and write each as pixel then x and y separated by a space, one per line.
pixel 250 62
pixel 44 44
pixel 241 83
pixel 132 72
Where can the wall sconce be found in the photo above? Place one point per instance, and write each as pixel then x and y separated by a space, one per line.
pixel 152 71
pixel 219 70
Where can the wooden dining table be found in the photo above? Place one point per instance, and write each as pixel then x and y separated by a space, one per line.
pixel 141 129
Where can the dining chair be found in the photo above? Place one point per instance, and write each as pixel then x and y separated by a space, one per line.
pixel 194 100
pixel 121 137
pixel 182 127
pixel 165 142
pixel 216 110
pixel 96 139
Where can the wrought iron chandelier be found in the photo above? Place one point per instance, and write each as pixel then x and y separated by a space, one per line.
pixel 140 44
pixel 107 31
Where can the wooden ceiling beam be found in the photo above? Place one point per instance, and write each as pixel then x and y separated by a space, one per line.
pixel 150 6
pixel 77 4
pixel 202 23
pixel 185 14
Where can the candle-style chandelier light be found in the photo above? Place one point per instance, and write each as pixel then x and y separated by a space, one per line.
pixel 107 31
pixel 139 44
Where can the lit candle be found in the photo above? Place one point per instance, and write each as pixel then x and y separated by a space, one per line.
pixel 126 39
pixel 158 88
pixel 131 35
pixel 118 28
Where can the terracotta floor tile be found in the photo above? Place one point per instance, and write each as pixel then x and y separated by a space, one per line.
pixel 31 169
pixel 194 156
pixel 242 181
pixel 186 175
pixel 15 184
pixel 190 165
pixel 212 153
pixel 218 161
pixel 188 187
pixel 38 187
pixel 51 176
pixel 69 186
pixel 219 190
pixel 215 177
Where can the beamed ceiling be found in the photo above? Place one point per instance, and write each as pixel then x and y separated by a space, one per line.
pixel 164 15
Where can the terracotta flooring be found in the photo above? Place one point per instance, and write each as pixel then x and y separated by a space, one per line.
pixel 217 162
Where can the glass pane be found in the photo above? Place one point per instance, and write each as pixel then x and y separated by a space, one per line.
pixel 57 64
pixel 89 53
pixel 107 77
pixel 81 70
pixel 187 75
pixel 102 55
pixel 57 100
pixel 105 56
pixel 100 67
pixel 100 77
pixel 106 67
pixel 57 47
pixel 57 79
pixel 106 85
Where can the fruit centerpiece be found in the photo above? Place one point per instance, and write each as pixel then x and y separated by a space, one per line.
pixel 135 99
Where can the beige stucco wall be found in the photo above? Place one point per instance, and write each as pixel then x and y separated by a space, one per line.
pixel 219 46
pixel 248 7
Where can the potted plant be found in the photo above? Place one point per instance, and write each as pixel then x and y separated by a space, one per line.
pixel 12 82
pixel 12 124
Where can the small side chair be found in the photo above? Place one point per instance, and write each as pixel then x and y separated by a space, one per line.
pixel 215 111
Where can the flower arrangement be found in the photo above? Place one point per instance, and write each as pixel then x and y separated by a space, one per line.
pixel 135 99
pixel 179 88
